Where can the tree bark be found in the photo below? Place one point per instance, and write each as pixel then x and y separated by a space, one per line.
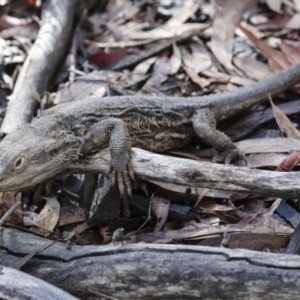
pixel 19 285
pixel 149 271
pixel 151 166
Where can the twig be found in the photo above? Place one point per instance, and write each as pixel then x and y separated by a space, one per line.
pixel 9 212
pixel 99 294
pixel 18 265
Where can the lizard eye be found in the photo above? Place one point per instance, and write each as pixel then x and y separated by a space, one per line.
pixel 19 162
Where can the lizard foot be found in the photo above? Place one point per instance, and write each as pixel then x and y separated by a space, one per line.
pixel 121 171
pixel 228 155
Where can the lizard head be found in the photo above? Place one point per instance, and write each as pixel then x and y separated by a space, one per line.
pixel 29 156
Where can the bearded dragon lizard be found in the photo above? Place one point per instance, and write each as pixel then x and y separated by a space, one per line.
pixel 50 143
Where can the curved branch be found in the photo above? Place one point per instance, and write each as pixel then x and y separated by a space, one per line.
pixel 41 63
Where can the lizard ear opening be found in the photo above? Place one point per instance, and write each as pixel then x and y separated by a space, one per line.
pixel 19 163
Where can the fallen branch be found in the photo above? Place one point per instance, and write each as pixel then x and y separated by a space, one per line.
pixel 19 285
pixel 150 166
pixel 149 271
pixel 41 63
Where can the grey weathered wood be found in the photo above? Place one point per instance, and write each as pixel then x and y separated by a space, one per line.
pixel 41 63
pixel 149 271
pixel 19 285
pixel 150 166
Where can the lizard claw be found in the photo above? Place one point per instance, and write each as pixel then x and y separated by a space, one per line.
pixel 228 155
pixel 121 173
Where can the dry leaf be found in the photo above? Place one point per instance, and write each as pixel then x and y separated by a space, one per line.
pixel 211 206
pixel 86 85
pixel 73 215
pixel 265 160
pixel 105 59
pixel 284 123
pixel 188 8
pixel 198 58
pixel 160 208
pixel 291 52
pixel 289 162
pixel 165 32
pixel 262 218
pixel 248 123
pixel 208 231
pixel 222 38
pixel 276 59
pixel 49 215
pixel 77 230
pixel 275 5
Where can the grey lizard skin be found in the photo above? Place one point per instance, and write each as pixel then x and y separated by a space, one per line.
pixel 49 144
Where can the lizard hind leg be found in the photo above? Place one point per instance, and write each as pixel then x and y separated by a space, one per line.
pixel 204 124
pixel 112 131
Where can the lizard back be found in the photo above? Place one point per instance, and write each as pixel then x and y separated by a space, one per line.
pixel 152 126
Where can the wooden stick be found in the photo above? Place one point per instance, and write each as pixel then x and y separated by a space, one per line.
pixel 151 166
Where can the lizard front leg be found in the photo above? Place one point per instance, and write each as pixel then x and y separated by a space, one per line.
pixel 204 124
pixel 114 132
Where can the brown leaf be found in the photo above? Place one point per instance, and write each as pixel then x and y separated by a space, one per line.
pixel 284 123
pixel 276 60
pixel 162 68
pixel 290 162
pixel 278 22
pixel 160 208
pixel 237 196
pixel 174 62
pixel 208 231
pixel 291 52
pixel 73 215
pixel 268 145
pixel 226 78
pixel 222 38
pixel 77 230
pixel 91 84
pixel 202 82
pixel 263 217
pixel 198 58
pixel 105 59
pixel 212 206
pixel 265 160
pixel 248 123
